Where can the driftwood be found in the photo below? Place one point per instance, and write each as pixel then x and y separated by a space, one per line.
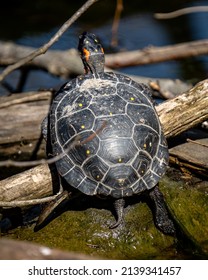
pixel 157 54
pixel 59 63
pixel 21 116
pixel 176 115
pixel 67 63
pixel 28 185
pixel 20 122
pixel 185 111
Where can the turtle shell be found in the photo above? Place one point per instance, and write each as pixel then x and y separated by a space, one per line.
pixel 109 134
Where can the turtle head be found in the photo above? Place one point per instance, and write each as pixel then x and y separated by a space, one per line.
pixel 91 52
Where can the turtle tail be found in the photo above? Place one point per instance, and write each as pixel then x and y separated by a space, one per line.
pixel 119 208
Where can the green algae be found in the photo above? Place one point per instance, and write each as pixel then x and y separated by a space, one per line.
pixel 189 207
pixel 88 232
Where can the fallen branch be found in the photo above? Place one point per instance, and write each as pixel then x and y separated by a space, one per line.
pixel 176 115
pixel 58 63
pixel 181 12
pixel 157 54
pixel 28 202
pixel 185 111
pixel 68 63
pixel 116 20
pixel 32 184
pixel 26 97
pixel 21 114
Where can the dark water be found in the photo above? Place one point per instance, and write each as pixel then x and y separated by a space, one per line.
pixel 33 23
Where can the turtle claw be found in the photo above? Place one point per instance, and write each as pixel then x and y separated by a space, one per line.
pixel 117 222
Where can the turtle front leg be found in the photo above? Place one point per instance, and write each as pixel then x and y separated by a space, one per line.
pixel 119 208
pixel 160 213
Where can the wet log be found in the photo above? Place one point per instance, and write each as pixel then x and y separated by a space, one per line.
pixel 176 115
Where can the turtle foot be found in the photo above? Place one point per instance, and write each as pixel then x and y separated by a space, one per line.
pixel 119 208
pixel 160 213
pixel 164 224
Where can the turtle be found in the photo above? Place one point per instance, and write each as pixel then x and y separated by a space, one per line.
pixel 107 135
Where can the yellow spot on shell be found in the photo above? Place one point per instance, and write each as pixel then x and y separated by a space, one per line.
pixel 80 104
pixel 132 98
pixel 87 152
pixel 120 160
pixel 145 146
pixel 82 126
pixel 110 113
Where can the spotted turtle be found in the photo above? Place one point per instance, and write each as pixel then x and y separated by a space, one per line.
pixel 107 131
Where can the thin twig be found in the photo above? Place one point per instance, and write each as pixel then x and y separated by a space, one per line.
pixel 54 159
pixel 45 47
pixel 196 142
pixel 119 9
pixel 29 97
pixel 181 12
pixel 10 162
pixel 29 202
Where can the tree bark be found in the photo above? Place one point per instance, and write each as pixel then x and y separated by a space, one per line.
pixel 176 115
pixel 185 111
pixel 59 63
pixel 30 184
pixel 157 54
pixel 21 116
